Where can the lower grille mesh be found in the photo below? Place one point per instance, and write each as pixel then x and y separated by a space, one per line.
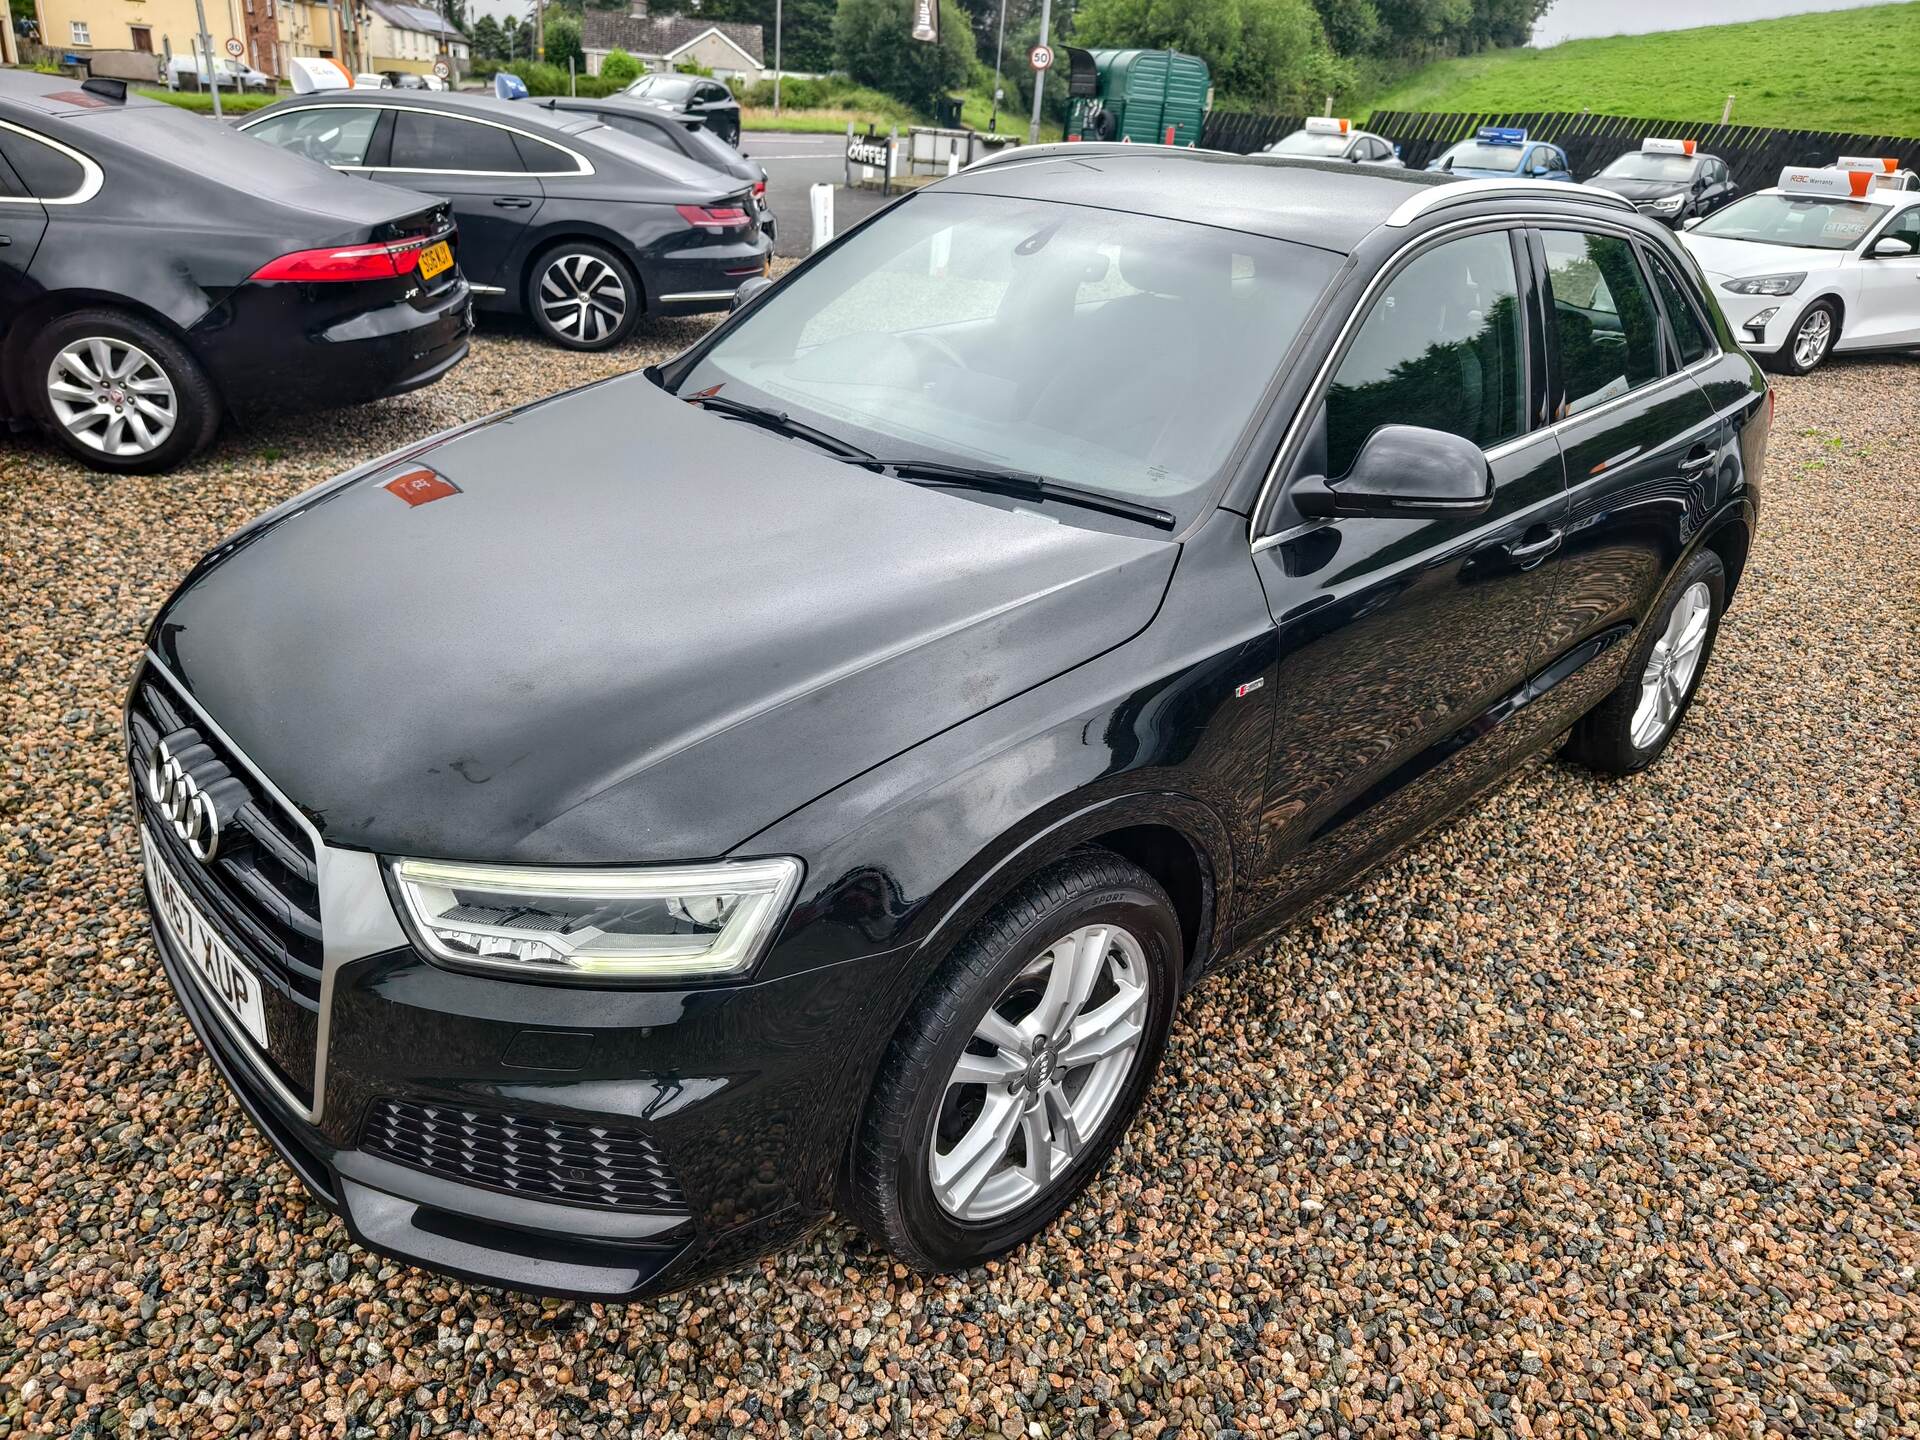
pixel 538 1158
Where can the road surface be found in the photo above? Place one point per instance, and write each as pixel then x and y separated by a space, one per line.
pixel 795 162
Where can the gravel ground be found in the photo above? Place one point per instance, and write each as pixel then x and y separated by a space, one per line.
pixel 1594 1113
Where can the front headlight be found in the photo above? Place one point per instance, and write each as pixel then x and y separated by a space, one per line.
pixel 1670 204
pixel 669 923
pixel 1765 284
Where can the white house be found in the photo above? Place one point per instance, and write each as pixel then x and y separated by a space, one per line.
pixel 731 49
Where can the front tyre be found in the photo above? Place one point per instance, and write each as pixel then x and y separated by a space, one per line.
pixel 1811 340
pixel 1018 1068
pixel 583 296
pixel 119 393
pixel 1630 728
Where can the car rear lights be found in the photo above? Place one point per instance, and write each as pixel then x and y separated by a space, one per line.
pixel 345 263
pixel 759 187
pixel 714 217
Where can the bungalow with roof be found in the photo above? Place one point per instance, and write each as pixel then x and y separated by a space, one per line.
pixel 731 49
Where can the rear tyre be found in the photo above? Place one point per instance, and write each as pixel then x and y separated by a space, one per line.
pixel 1630 729
pixel 583 296
pixel 119 393
pixel 1020 1065
pixel 1811 340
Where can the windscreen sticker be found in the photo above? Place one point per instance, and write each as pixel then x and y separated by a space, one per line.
pixel 1843 229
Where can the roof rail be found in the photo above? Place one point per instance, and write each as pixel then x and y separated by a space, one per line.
pixel 1463 192
pixel 1081 149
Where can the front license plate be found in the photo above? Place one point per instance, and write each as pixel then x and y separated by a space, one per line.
pixel 434 259
pixel 222 973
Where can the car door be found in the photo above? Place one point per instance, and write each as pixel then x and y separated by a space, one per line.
pixel 482 170
pixel 1646 455
pixel 1406 644
pixel 23 222
pixel 1888 309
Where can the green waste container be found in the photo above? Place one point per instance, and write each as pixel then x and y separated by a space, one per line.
pixel 1136 95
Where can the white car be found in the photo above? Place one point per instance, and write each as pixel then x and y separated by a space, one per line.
pixel 1328 139
pixel 1826 260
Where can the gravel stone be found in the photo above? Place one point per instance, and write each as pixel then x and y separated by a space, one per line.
pixel 1592 1114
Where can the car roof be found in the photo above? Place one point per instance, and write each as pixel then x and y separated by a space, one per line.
pixel 61 94
pixel 484 107
pixel 617 104
pixel 1330 205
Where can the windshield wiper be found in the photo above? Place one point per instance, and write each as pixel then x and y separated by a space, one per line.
pixel 1026 485
pixel 780 423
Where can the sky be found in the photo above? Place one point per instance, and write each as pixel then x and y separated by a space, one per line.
pixel 1578 19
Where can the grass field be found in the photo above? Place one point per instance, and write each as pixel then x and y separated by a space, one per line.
pixel 202 101
pixel 1854 70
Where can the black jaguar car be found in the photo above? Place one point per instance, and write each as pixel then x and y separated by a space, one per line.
pixel 159 273
pixel 578 226
pixel 590 864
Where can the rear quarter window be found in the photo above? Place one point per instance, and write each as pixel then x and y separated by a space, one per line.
pixel 45 173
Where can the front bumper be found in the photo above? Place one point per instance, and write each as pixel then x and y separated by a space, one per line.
pixel 1761 323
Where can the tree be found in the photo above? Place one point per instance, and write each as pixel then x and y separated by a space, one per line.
pixel 1267 52
pixel 806 28
pixel 874 40
pixel 619 68
pixel 563 42
pixel 488 43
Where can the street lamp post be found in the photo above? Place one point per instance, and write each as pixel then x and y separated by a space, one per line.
pixel 999 46
pixel 1040 76
pixel 776 56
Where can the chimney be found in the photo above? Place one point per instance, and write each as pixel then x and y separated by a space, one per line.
pixel 637 9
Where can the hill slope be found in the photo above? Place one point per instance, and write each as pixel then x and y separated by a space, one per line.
pixel 1855 70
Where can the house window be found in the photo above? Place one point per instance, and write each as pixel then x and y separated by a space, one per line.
pixel 82 33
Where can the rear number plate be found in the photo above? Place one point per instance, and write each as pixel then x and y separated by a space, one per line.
pixel 222 974
pixel 434 259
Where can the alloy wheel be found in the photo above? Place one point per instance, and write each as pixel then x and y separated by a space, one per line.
pixel 112 396
pixel 1040 1074
pixel 582 297
pixel 1810 345
pixel 1676 655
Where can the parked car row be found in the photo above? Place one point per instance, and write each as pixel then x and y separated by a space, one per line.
pixel 160 272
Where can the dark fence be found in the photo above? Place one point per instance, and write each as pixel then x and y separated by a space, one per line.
pixel 1755 154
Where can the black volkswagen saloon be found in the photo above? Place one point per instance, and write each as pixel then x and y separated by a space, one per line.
pixel 159 273
pixel 590 865
pixel 580 227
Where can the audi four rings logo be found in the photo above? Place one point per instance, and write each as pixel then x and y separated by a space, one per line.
pixel 178 796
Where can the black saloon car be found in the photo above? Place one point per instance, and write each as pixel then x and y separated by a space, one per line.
pixel 1673 184
pixel 683 135
pixel 697 97
pixel 563 219
pixel 842 825
pixel 158 272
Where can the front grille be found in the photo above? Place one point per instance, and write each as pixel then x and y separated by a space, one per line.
pixel 530 1156
pixel 261 890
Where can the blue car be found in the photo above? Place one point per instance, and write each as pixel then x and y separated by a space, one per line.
pixel 1499 153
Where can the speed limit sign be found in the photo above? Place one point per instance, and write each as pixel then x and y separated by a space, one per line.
pixel 1040 57
pixel 442 69
pixel 235 48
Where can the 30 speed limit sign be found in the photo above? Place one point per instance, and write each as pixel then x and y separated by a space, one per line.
pixel 235 48
pixel 1040 57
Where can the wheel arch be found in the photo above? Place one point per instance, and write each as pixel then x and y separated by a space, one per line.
pixel 546 243
pixel 49 306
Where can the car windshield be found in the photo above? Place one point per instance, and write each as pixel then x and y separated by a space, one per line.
pixel 1480 155
pixel 1113 351
pixel 1807 223
pixel 1302 142
pixel 675 88
pixel 1640 165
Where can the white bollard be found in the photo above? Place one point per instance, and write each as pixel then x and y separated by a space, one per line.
pixel 953 158
pixel 820 198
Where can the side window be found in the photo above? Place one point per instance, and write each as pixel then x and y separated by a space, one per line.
pixel 641 130
pixel 47 173
pixel 1906 226
pixel 1688 334
pixel 337 135
pixel 539 158
pixel 1609 335
pixel 1440 348
pixel 423 140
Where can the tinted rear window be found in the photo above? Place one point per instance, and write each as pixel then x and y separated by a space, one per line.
pixel 46 172
pixel 425 141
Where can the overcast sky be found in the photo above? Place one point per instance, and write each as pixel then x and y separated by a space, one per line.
pixel 1576 19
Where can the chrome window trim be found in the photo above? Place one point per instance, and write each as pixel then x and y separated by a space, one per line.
pixel 586 165
pixel 1316 392
pixel 356 918
pixel 695 295
pixel 1461 192
pixel 90 177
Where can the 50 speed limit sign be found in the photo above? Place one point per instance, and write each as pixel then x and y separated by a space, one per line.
pixel 1040 57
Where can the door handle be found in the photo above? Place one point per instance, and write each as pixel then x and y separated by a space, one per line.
pixel 1699 459
pixel 511 202
pixel 5 240
pixel 1528 553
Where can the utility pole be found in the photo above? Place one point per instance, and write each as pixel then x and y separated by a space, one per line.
pixel 206 50
pixel 539 29
pixel 776 55
pixel 1040 76
pixel 999 45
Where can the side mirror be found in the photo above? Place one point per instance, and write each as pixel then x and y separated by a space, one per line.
pixel 1405 472
pixel 751 289
pixel 1889 247
pixel 1691 221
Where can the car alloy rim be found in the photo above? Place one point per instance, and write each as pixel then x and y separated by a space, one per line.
pixel 1676 655
pixel 1814 335
pixel 112 396
pixel 1041 1073
pixel 581 296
